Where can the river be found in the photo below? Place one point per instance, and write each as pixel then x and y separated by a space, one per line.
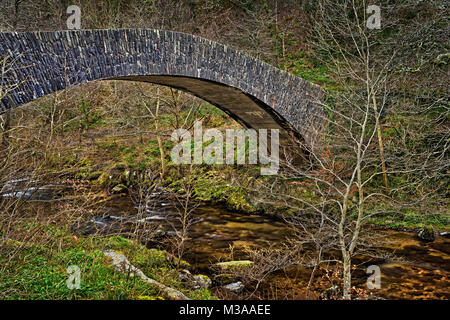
pixel 420 270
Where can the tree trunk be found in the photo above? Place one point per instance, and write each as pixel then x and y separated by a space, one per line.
pixel 347 278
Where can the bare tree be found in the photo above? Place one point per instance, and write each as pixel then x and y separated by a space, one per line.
pixel 344 165
pixel 158 130
pixel 336 191
pixel 185 218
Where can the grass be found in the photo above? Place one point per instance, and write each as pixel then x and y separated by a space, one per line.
pixel 40 271
pixel 311 68
pixel 411 219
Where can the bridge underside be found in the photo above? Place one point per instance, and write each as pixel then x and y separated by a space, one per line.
pixel 245 109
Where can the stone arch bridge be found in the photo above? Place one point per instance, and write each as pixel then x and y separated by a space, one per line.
pixel 254 93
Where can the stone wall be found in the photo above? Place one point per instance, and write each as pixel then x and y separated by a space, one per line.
pixel 253 92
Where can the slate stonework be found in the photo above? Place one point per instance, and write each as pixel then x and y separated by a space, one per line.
pixel 253 92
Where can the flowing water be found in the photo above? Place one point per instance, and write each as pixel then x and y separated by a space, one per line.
pixel 422 273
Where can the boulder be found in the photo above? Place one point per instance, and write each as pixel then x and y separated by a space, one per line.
pixel 426 234
pixel 185 275
pixel 202 281
pixel 235 287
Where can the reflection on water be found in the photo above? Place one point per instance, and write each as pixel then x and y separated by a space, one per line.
pixel 219 229
pixel 423 272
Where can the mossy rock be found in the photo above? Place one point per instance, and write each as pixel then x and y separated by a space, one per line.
pixel 116 242
pixel 202 281
pixel 234 264
pixel 120 188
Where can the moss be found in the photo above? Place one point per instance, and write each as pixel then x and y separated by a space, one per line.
pixel 119 188
pixel 203 294
pixel 239 201
pixel 116 242
pixel 309 67
pixel 150 298
pixel 103 179
pixel 234 264
pixel 119 165
pixel 411 219
pixel 94 175
pixel 107 145
pixel 223 278
pixel 14 243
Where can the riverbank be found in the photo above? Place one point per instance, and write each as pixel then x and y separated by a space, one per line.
pixel 101 160
pixel 242 189
pixel 37 264
pixel 38 270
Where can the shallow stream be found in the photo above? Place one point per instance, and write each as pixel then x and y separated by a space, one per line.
pixel 422 273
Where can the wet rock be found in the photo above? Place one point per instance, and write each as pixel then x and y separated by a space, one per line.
pixel 170 233
pixel 235 287
pixel 14 184
pixel 445 234
pixel 14 190
pixel 93 226
pixel 426 234
pixel 150 219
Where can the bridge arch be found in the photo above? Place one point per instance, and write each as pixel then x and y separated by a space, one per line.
pixel 254 93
